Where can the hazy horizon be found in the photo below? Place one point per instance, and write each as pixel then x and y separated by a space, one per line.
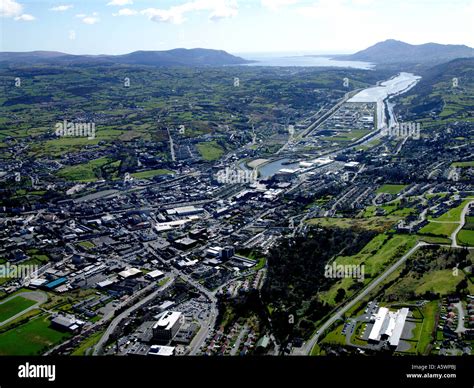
pixel 237 26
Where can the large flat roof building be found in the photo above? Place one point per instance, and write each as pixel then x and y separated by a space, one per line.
pixel 185 211
pixel 399 325
pixel 379 317
pixel 388 325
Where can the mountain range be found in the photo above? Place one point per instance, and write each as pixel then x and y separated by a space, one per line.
pixel 383 53
pixel 395 51
pixel 175 57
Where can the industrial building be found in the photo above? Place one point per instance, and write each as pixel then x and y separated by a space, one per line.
pixel 66 323
pixel 154 275
pixel 388 325
pixel 225 253
pixel 185 211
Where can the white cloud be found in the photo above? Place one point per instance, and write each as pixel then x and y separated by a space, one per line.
pixel 13 9
pixel 224 11
pixel 89 19
pixel 10 8
pixel 25 17
pixel 61 8
pixel 125 12
pixel 218 9
pixel 120 3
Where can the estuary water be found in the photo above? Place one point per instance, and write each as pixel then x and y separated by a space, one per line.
pixel 379 94
pixel 282 60
pixel 270 169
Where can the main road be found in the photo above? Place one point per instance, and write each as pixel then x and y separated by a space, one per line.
pixel 462 222
pixel 115 322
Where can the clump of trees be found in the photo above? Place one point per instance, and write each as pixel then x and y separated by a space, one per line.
pixel 296 274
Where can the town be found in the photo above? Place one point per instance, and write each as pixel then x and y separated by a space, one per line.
pixel 202 220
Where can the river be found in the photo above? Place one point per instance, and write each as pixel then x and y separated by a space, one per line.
pixel 378 94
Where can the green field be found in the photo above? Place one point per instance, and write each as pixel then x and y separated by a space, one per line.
pixel 87 172
pixel 439 229
pixel 427 327
pixel 351 136
pixel 464 164
pixel 434 239
pixel 454 214
pixel 380 224
pixel 375 256
pixel 335 337
pixel 86 244
pixel 31 338
pixel 393 210
pixel 14 306
pixel 469 223
pixel 87 343
pixel 210 151
pixel 466 237
pixel 441 281
pixel 390 189
pixel 150 173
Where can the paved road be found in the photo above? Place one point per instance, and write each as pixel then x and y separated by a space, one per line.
pixel 462 222
pixel 173 156
pixel 115 322
pixel 308 346
pixel 461 328
pixel 202 334
pixel 211 320
pixel 38 296
pixel 240 337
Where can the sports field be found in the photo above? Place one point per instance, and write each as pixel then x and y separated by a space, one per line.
pixel 14 306
pixel 31 338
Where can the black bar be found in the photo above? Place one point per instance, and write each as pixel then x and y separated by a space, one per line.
pixel 245 371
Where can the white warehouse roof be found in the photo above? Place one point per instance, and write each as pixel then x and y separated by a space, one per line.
pixel 375 333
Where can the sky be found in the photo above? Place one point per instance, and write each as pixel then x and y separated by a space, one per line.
pixel 237 26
